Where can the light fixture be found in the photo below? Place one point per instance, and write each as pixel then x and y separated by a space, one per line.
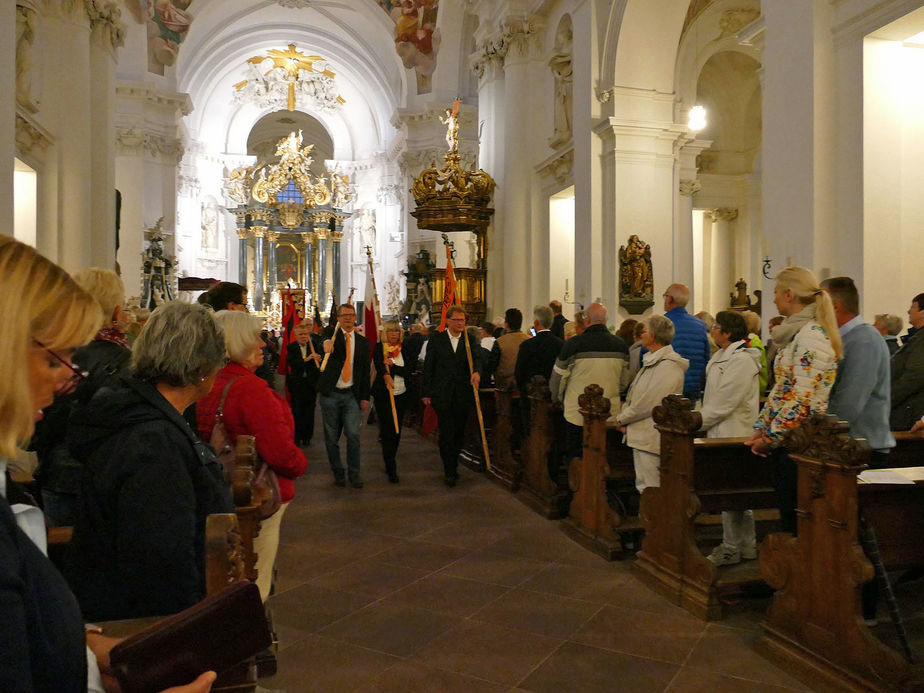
pixel 697 119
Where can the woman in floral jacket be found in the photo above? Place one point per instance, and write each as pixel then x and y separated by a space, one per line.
pixel 805 367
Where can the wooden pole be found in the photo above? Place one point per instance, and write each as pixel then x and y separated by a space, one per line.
pixel 313 353
pixel 378 318
pixel 332 339
pixel 471 370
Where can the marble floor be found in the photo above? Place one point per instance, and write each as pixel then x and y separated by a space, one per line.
pixel 417 587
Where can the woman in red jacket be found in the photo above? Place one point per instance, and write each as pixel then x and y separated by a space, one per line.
pixel 253 408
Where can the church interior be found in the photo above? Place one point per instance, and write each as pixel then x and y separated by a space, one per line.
pixel 278 143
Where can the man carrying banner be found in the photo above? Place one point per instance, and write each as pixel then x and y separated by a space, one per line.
pixel 303 359
pixel 449 387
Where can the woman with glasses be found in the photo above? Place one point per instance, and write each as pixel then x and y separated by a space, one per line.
pixel 393 363
pixel 43 644
pixel 252 408
pixel 149 482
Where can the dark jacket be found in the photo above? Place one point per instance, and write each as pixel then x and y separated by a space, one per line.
pixel 558 326
pixel 908 383
pixel 361 367
pixel 692 343
pixel 149 482
pixel 303 372
pixel 537 357
pixel 446 375
pixel 42 642
pixel 253 408
pixel 378 358
pixel 104 362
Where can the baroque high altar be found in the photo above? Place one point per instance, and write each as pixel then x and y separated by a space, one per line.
pixel 288 219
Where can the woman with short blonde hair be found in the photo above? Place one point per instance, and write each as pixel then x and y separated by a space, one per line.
pixel 251 407
pixel 805 367
pixel 393 363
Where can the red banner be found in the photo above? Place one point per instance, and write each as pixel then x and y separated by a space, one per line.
pixel 449 290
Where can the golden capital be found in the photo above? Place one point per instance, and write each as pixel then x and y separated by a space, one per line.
pixel 336 236
pixel 272 236
pixel 243 234
pixel 321 234
pixel 258 231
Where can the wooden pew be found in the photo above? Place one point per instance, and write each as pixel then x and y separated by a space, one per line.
pixel 472 455
pixel 591 521
pixel 505 462
pixel 542 451
pixel 814 626
pixel 245 463
pixel 698 475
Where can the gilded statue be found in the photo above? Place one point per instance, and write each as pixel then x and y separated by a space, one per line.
pixel 451 121
pixel 635 268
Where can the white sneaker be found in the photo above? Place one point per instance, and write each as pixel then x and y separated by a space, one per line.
pixel 748 553
pixel 724 555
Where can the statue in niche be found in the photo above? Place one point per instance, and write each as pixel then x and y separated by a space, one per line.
pixel 367 228
pixel 25 37
pixel 392 303
pixel 563 71
pixel 209 226
pixel 636 283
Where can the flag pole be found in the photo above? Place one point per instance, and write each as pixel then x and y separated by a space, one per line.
pixel 378 318
pixel 468 354
pixel 333 337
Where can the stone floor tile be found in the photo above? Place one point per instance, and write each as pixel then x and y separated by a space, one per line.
pixel 486 566
pixel 413 677
pixel 308 608
pixel 548 614
pixel 642 634
pixel 446 594
pixel 694 680
pixel 421 555
pixel 597 584
pixel 369 576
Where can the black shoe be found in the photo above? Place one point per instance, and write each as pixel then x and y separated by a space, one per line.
pixel 450 480
pixel 393 477
pixel 356 482
pixel 339 481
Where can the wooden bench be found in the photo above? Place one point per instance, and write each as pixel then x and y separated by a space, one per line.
pixel 542 451
pixel 472 454
pixel 698 475
pixel 814 626
pixel 505 461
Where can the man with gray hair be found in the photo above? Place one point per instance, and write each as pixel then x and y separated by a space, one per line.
pixel 593 357
pixel 536 357
pixel 889 326
pixel 690 339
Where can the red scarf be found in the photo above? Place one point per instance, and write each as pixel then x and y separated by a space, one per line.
pixel 391 351
pixel 112 334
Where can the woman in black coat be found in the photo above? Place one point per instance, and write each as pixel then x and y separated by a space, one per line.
pixel 393 364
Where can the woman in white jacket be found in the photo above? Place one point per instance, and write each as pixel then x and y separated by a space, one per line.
pixel 661 374
pixel 805 367
pixel 729 408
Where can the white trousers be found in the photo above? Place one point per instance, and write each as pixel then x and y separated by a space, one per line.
pixel 646 469
pixel 738 529
pixel 265 546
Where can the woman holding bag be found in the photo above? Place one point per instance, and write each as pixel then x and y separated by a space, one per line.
pixel 252 408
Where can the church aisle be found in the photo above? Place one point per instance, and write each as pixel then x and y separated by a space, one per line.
pixel 416 587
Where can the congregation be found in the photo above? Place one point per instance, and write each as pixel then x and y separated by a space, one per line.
pixel 126 433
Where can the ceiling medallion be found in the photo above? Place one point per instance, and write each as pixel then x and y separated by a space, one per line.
pixel 293 77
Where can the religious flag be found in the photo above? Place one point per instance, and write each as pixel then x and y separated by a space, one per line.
pixel 318 320
pixel 370 312
pixel 290 319
pixel 449 290
pixel 332 319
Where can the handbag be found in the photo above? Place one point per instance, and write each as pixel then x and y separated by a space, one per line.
pixel 214 635
pixel 264 484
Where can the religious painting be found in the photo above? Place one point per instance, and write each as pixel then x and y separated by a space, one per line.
pixel 417 39
pixel 288 263
pixel 169 22
pixel 636 279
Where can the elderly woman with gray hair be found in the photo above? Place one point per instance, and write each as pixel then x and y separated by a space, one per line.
pixel 662 373
pixel 253 408
pixel 149 482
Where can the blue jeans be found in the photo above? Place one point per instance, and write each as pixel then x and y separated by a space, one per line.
pixel 341 413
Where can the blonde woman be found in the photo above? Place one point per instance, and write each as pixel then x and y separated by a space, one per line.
pixel 804 368
pixel 393 363
pixel 103 359
pixel 253 408
pixel 46 316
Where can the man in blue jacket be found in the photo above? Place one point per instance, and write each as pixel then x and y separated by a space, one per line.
pixel 690 339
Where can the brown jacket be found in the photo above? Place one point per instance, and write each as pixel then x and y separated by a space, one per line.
pixel 505 353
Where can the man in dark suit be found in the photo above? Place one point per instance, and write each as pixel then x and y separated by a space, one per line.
pixel 536 357
pixel 558 320
pixel 448 386
pixel 344 387
pixel 303 369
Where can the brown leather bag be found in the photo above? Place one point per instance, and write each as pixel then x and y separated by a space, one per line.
pixel 265 483
pixel 214 635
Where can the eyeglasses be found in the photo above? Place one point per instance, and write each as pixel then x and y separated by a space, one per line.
pixel 76 377
pixel 347 315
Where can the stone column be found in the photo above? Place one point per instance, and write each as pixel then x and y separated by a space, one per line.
pixel 242 234
pixel 68 92
pixel 336 237
pixel 321 234
pixel 272 237
pixel 720 258
pixel 309 267
pixel 683 234
pixel 258 234
pixel 517 292
pixel 107 34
